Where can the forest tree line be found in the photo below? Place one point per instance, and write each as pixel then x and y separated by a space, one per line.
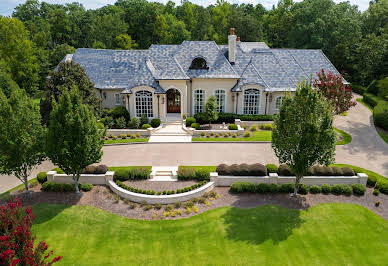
pixel 39 35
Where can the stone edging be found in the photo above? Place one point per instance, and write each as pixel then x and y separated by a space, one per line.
pixel 162 199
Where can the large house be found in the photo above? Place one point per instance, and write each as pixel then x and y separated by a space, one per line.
pixel 245 77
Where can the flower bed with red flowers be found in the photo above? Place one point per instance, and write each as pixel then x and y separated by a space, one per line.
pixel 16 241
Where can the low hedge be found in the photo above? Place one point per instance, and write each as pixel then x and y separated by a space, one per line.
pixel 380 114
pixel 166 192
pixel 189 173
pixel 318 170
pixel 41 177
pixel 241 187
pixel 57 187
pixel 371 99
pixel 230 117
pixel 135 173
pixel 242 169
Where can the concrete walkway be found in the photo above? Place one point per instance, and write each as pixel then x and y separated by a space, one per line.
pixel 366 150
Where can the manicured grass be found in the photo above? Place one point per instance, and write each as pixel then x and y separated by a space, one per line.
pixel 127 140
pixel 115 168
pixel 261 135
pixel 326 234
pixel 357 169
pixel 346 137
pixel 383 136
pixel 207 168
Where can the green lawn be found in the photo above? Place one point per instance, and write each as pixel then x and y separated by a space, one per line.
pixel 326 234
pixel 127 140
pixel 261 135
pixel 346 137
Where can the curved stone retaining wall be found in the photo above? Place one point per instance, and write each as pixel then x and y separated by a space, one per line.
pixel 162 199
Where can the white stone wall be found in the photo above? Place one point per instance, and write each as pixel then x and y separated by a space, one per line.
pixel 102 179
pixel 162 199
pixel 273 178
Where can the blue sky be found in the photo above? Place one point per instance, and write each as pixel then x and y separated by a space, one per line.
pixel 7 6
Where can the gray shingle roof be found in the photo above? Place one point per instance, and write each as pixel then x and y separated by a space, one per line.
pixel 274 69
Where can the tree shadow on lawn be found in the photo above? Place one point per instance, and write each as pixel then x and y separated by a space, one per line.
pixel 257 225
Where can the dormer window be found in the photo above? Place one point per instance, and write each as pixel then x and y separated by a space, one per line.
pixel 199 63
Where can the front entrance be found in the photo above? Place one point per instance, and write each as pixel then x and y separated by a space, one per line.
pixel 173 101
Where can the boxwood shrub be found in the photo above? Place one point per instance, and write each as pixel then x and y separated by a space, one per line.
pixel 196 126
pixel 358 189
pixel 272 168
pixel 303 189
pixel 57 187
pixel 165 192
pixel 371 99
pixel 284 170
pixel 189 121
pixel 41 177
pixel 155 122
pixel 382 187
pixel 372 180
pixel 256 169
pixel 240 187
pixel 190 173
pixel 315 189
pixel 380 114
pixel 134 173
pixel 145 126
pixel 232 127
pixel 326 189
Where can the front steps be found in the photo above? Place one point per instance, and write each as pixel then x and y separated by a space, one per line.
pixel 164 173
pixel 171 131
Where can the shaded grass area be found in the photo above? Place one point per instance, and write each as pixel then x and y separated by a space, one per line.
pixel 127 140
pixel 268 234
pixel 382 134
pixel 346 137
pixel 261 135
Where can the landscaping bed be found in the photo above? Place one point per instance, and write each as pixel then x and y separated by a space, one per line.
pixel 159 186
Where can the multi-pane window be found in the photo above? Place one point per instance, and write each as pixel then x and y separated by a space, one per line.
pixel 220 96
pixel 251 102
pixel 278 103
pixel 143 100
pixel 117 99
pixel 199 101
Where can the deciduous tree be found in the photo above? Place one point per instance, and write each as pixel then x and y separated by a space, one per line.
pixel 211 109
pixel 303 134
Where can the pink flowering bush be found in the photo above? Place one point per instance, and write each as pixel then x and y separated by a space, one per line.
pixel 16 241
pixel 335 91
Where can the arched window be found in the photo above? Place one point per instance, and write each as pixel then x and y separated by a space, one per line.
pixel 221 99
pixel 251 102
pixel 199 101
pixel 143 103
pixel 278 103
pixel 199 63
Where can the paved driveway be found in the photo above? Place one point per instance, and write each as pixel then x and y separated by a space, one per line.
pixel 366 150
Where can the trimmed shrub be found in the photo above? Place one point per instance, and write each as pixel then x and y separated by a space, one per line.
pixel 303 189
pixel 134 123
pixel 358 189
pixel 342 189
pixel 347 190
pixel 382 187
pixel 347 171
pixel 257 169
pixel 189 121
pixel 145 126
pixel 380 114
pixel 371 99
pixel 287 188
pixel 41 177
pixel 202 174
pixel 247 134
pixel 273 188
pixel 123 136
pixel 372 180
pixel 56 187
pixel 101 169
pixel 266 126
pixel 119 111
pixel 86 187
pixel 232 127
pixel 155 122
pixel 315 189
pixel 121 174
pixel 337 171
pixel 253 128
pixel 284 170
pixel 223 169
pixel 262 188
pixel 239 187
pixel 90 169
pixel 243 170
pixel 196 126
pixel 272 168
pixel 326 189
pixel 376 192
pixel 318 170
pixel 143 120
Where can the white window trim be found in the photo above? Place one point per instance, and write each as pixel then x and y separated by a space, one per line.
pixel 119 101
pixel 243 98
pixel 277 109
pixel 134 102
pixel 225 99
pixel 204 100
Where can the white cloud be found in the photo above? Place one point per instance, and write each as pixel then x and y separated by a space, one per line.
pixel 7 6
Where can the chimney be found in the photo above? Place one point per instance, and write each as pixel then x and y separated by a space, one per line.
pixel 232 46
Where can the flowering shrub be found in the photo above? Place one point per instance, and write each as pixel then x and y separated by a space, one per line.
pixel 16 241
pixel 335 91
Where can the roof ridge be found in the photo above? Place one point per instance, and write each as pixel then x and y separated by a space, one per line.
pixel 257 71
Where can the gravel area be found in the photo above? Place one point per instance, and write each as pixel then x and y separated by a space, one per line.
pixel 159 185
pixel 102 197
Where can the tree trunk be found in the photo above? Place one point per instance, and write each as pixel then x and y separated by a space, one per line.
pixel 76 179
pixel 25 181
pixel 297 181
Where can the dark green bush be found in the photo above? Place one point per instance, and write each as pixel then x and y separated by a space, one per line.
pixel 155 122
pixel 262 188
pixel 119 111
pixel 372 180
pixel 315 189
pixel 86 187
pixel 382 187
pixel 373 88
pixel 202 174
pixel 57 187
pixel 134 123
pixel 47 186
pixel 121 174
pixel 326 189
pixel 284 170
pixel 41 177
pixel 232 127
pixel 143 120
pixel 380 114
pixel 230 117
pixel 223 169
pixel 145 126
pixel 376 192
pixel 189 121
pixel 336 189
pixel 347 171
pixel 347 190
pixel 189 173
pixel 358 189
pixel 342 189
pixel 239 187
pixel 120 123
pixel 196 126
pixel 358 89
pixel 273 188
pixel 371 99
pixel 272 168
pixel 257 169
pixel 303 189
pixel 287 188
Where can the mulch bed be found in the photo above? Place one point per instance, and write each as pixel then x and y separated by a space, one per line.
pixel 102 197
